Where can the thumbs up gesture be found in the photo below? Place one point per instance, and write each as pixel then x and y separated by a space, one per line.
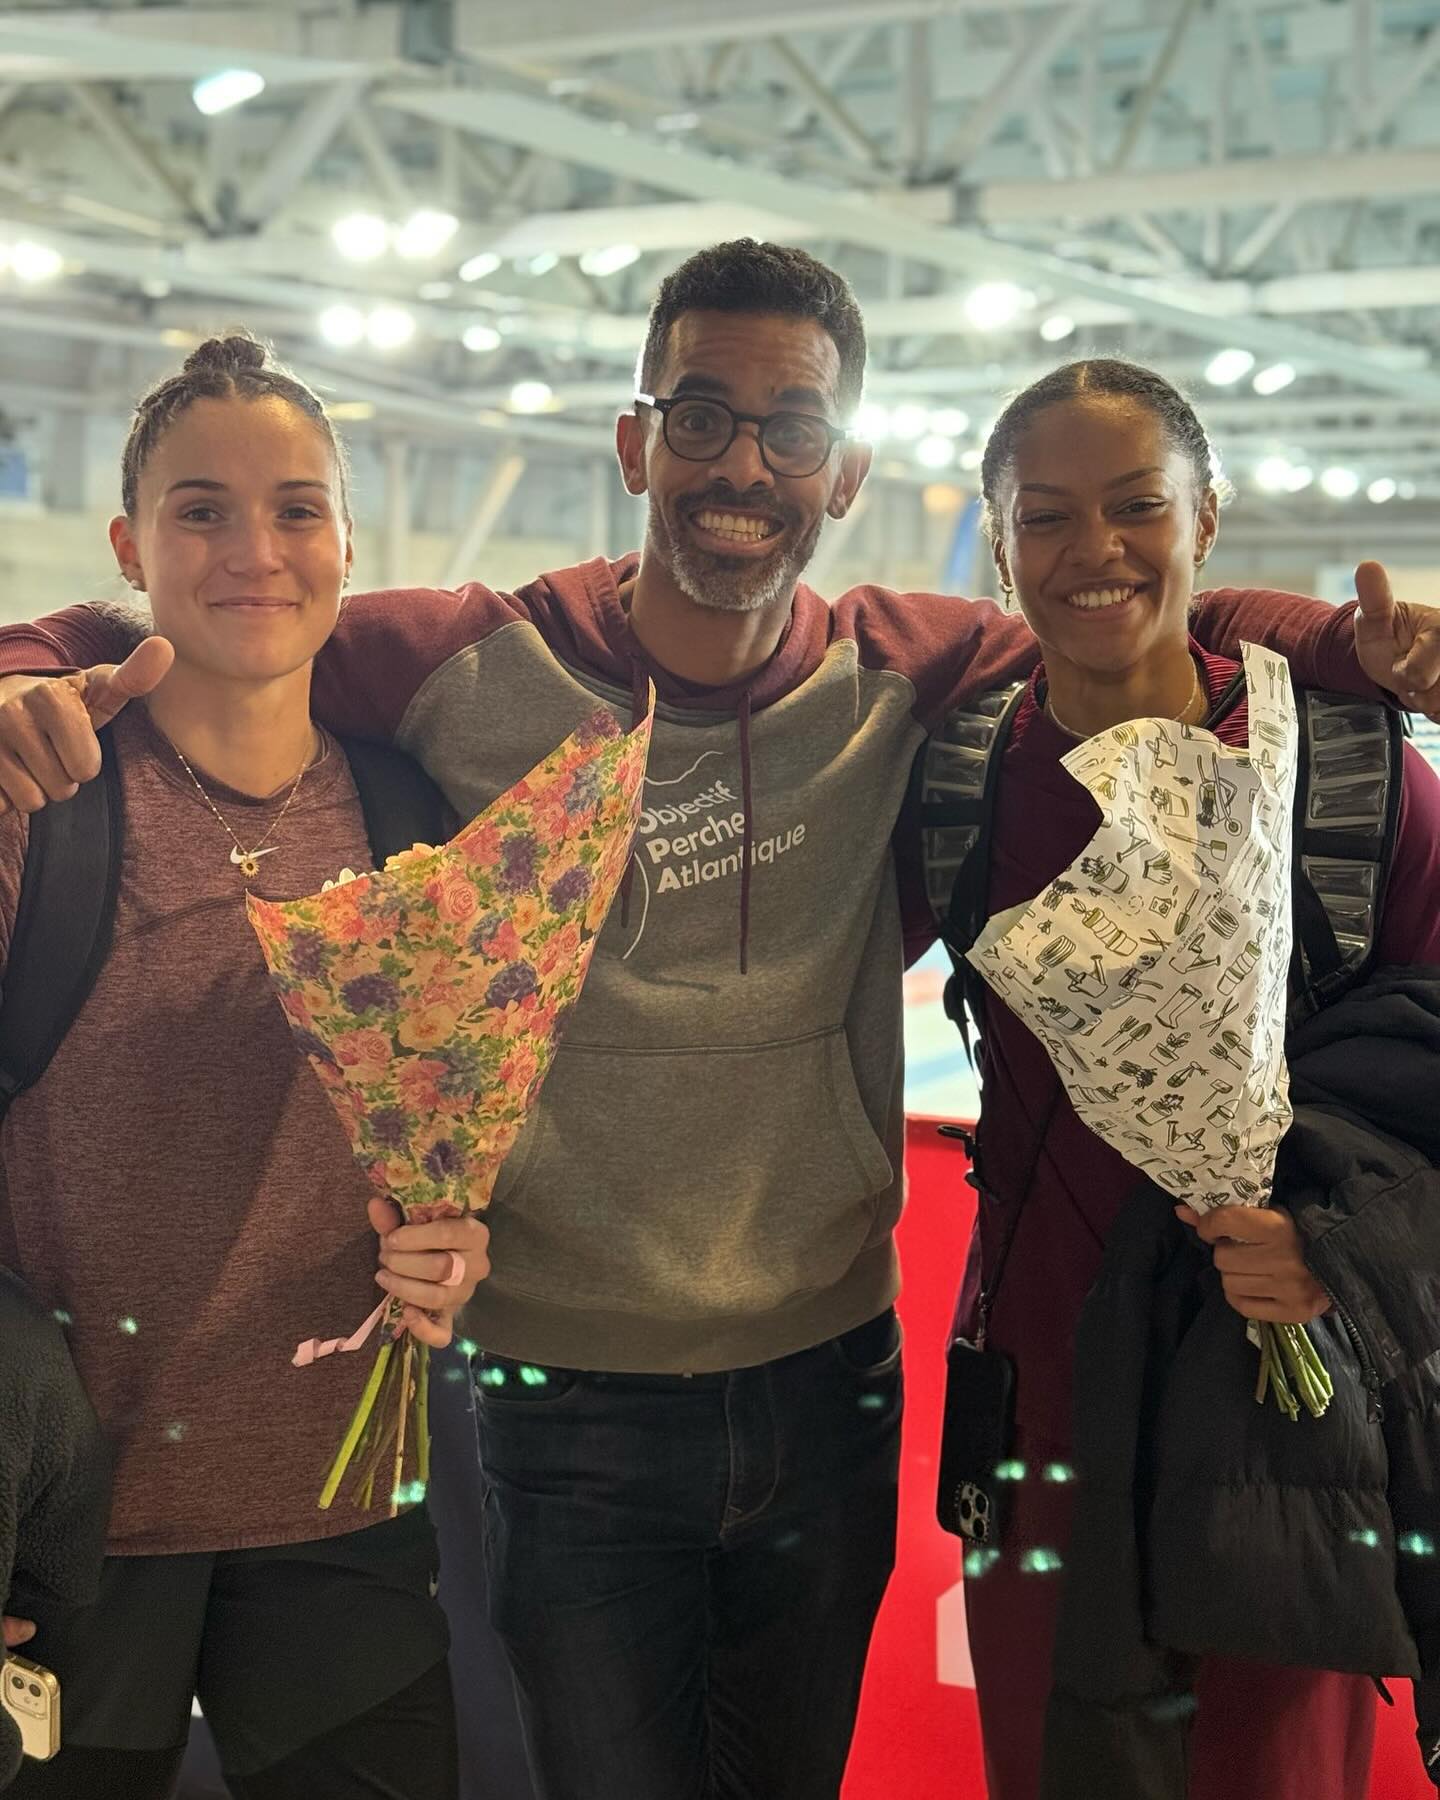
pixel 1397 642
pixel 48 723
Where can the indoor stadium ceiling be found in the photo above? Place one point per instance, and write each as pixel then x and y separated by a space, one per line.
pixel 453 215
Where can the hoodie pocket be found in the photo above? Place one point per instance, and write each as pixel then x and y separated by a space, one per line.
pixel 691 1182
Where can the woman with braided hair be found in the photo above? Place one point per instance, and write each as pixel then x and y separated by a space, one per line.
pixel 178 1188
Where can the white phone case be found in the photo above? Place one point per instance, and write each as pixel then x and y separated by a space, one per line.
pixel 31 1696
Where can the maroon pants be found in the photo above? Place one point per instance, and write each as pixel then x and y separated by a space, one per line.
pixel 1260 1733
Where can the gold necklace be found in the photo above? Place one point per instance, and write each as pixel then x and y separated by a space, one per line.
pixel 1194 695
pixel 247 861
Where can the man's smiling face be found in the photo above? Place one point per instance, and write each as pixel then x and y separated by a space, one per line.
pixel 730 533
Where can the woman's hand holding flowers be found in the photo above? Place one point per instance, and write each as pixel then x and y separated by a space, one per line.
pixel 416 1266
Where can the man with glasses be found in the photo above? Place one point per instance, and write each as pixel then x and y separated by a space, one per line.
pixel 689 1386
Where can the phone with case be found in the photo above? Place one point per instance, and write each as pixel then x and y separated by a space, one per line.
pixel 31 1696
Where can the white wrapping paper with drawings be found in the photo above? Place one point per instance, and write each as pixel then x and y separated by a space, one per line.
pixel 1154 969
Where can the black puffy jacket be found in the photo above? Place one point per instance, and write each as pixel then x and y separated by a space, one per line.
pixel 1208 1525
pixel 54 1476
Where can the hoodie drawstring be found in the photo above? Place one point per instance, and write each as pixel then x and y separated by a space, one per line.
pixel 639 703
pixel 747 835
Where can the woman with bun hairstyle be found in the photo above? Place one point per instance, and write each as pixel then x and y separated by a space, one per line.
pixel 178 1189
pixel 1102 507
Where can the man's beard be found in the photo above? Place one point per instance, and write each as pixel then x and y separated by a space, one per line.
pixel 731 583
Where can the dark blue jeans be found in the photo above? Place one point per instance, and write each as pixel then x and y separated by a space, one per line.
pixel 685 1570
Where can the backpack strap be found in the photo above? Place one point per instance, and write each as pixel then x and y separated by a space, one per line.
pixel 401 804
pixel 954 781
pixel 1347 814
pixel 63 924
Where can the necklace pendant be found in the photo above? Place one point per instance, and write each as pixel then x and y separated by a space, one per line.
pixel 249 866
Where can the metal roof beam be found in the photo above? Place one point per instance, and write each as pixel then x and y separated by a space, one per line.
pixel 571 136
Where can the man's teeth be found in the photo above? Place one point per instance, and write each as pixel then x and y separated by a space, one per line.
pixel 1091 599
pixel 746 528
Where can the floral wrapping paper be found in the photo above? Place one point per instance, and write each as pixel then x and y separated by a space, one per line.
pixel 429 998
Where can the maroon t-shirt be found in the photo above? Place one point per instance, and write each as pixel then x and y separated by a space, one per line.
pixel 178 1183
pixel 1043 821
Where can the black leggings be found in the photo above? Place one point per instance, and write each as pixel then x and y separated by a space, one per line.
pixel 403 1749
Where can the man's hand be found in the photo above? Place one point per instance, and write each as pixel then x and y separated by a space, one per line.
pixel 1260 1262
pixel 1397 642
pixel 48 723
pixel 416 1260
pixel 17 1632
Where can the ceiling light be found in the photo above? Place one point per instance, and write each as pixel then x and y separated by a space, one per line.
pixel 1270 380
pixel 1227 366
pixel 348 410
pixel 872 423
pixel 909 422
pixel 530 396
pixel 1272 474
pixel 995 304
pixel 425 233
pixel 390 327
pixel 1407 490
pixel 478 267
pixel 35 262
pixel 971 459
pixel 1299 478
pixel 610 260
pixel 342 326
pixel 1340 483
pixel 230 87
pixel 949 421
pixel 360 236
pixel 480 338
pixel 540 264
pixel 935 452
pixel 1057 327
pixel 1382 490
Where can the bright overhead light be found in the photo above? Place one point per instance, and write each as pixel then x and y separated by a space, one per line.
pixel 872 423
pixel 540 264
pixel 425 233
pixel 1382 490
pixel 1271 379
pixel 1227 366
pixel 35 262
pixel 610 260
pixel 949 421
pixel 995 304
pixel 230 87
pixel 971 459
pixel 1057 327
pixel 1299 478
pixel 348 410
pixel 1340 483
pixel 909 422
pixel 478 267
pixel 935 452
pixel 480 338
pixel 360 236
pixel 1407 490
pixel 342 326
pixel 390 327
pixel 530 396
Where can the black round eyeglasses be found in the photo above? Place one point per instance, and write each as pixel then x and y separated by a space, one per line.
pixel 700 429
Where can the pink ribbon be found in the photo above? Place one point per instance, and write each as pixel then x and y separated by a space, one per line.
pixel 314 1348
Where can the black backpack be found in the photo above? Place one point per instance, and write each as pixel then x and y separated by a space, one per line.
pixel 1347 810
pixel 66 912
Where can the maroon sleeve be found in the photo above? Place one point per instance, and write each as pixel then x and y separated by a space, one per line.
pixel 389 643
pixel 73 639
pixel 379 655
pixel 1410 927
pixel 1317 639
pixel 949 649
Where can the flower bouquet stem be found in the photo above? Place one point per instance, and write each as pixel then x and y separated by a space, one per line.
pixel 398 1380
pixel 1291 1366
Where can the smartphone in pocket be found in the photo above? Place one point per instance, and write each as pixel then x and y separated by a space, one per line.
pixel 31 1696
